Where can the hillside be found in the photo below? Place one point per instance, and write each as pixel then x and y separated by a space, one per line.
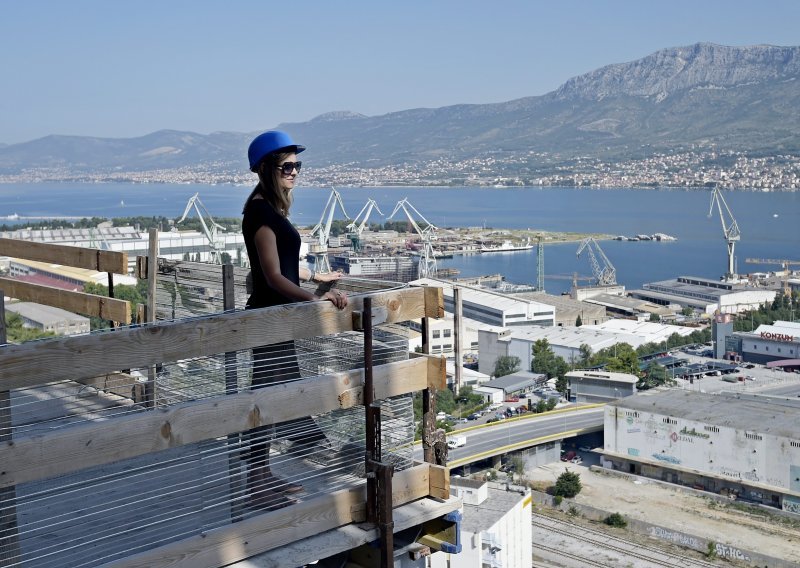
pixel 738 98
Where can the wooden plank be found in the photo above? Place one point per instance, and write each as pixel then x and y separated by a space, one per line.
pixel 440 482
pixel 78 257
pixel 78 302
pixel 131 348
pixel 437 369
pixel 434 302
pixel 85 445
pixel 342 539
pixel 120 384
pixel 236 542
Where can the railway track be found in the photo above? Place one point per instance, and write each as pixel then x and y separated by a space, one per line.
pixel 616 547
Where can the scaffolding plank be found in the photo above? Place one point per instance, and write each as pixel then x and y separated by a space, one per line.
pixel 78 302
pixel 440 482
pixel 348 537
pixel 78 257
pixel 40 362
pixel 69 449
pixel 270 531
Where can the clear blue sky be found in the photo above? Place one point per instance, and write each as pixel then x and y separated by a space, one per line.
pixel 123 69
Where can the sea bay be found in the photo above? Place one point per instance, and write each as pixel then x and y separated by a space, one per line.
pixel 769 221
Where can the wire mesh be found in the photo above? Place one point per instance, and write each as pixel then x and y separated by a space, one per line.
pixel 108 512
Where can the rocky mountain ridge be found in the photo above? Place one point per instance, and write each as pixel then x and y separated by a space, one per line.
pixel 704 95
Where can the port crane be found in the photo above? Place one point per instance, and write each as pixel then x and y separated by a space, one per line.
pixel 216 245
pixel 322 231
pixel 730 229
pixel 607 275
pixel 427 261
pixel 356 228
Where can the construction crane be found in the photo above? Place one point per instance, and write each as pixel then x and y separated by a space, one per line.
pixel 785 267
pixel 215 244
pixel 322 231
pixel 356 228
pixel 607 275
pixel 427 262
pixel 730 229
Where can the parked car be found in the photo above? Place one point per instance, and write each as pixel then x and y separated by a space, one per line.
pixel 568 456
pixel 474 416
pixel 585 449
pixel 576 459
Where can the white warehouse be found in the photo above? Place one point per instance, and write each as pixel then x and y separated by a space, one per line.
pixel 735 444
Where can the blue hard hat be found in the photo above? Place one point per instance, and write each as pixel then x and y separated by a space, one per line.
pixel 269 142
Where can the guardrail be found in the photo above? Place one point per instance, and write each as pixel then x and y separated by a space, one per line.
pixel 104 477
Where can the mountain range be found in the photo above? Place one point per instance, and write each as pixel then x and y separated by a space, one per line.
pixel 698 96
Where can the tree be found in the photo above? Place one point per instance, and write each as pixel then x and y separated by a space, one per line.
pixel 655 317
pixel 543 358
pixel 578 321
pixel 568 484
pixel 585 355
pixel 505 365
pixel 655 376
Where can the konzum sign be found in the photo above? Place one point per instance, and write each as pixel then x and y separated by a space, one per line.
pixel 776 336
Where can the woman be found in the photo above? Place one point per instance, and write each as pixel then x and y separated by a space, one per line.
pixel 273 247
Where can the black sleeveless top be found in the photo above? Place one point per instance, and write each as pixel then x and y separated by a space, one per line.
pixel 259 213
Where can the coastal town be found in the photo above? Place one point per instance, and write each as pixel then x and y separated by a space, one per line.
pixel 693 168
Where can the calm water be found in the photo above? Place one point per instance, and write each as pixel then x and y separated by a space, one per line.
pixel 769 222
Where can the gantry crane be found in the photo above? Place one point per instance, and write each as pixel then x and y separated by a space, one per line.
pixel 322 231
pixel 427 261
pixel 210 229
pixel 607 275
pixel 356 229
pixel 730 229
pixel 784 264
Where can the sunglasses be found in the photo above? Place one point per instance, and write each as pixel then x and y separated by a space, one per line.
pixel 287 168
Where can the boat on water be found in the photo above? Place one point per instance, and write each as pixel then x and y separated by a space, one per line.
pixel 507 246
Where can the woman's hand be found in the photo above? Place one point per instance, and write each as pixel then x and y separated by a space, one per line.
pixel 328 276
pixel 336 297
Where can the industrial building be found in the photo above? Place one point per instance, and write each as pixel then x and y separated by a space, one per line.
pixel 735 444
pixel 704 294
pixel 48 318
pixel 496 528
pixel 57 275
pixel 514 384
pixel 776 345
pixel 599 386
pixel 493 308
pixel 568 310
pixel 566 342
pixel 174 245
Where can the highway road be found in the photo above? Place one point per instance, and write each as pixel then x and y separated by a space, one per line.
pixel 497 438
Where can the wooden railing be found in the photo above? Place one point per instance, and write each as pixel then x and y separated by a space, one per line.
pixel 70 450
pixel 76 257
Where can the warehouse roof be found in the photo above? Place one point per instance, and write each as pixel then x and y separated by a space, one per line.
pixel 45 315
pixel 773 415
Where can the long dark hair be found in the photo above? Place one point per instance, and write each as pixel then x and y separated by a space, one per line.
pixel 268 182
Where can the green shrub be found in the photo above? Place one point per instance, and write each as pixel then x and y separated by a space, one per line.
pixel 616 520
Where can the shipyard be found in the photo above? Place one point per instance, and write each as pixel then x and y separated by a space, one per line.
pixel 378 286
